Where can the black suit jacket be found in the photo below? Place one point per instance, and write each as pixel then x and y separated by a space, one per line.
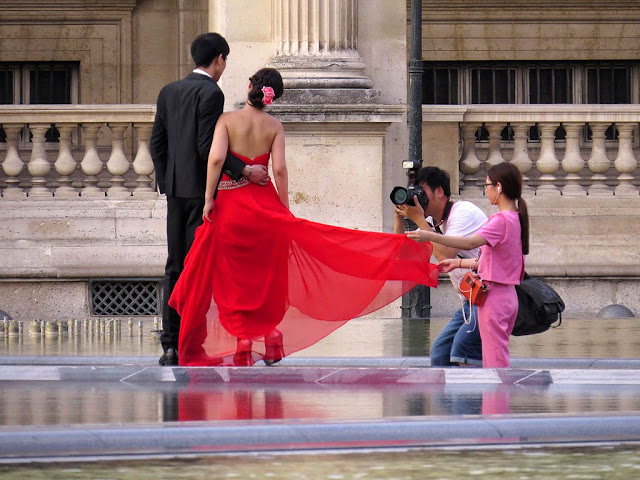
pixel 186 115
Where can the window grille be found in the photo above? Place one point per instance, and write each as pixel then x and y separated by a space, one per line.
pixel 608 84
pixel 125 297
pixel 490 85
pixel 550 84
pixel 440 85
pixel 527 82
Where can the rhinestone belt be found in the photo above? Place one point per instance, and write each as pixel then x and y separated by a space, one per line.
pixel 231 184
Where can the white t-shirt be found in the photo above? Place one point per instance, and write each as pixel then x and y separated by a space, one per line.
pixel 464 219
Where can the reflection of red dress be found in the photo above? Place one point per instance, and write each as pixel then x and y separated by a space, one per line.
pixel 256 267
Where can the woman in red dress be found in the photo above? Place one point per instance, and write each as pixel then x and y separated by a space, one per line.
pixel 259 283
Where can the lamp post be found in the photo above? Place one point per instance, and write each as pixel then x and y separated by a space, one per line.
pixel 416 303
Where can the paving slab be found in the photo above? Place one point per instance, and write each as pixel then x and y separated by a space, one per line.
pixel 380 362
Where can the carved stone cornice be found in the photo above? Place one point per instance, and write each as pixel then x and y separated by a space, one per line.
pixel 519 5
pixel 66 5
pixel 542 10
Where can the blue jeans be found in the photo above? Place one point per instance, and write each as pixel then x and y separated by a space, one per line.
pixel 458 342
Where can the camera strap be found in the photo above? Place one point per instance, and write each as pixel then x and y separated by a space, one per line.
pixel 445 215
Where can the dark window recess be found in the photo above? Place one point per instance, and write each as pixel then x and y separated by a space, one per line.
pixel 608 84
pixel 6 86
pixel 50 85
pixel 125 297
pixel 440 85
pixel 491 85
pixel 550 85
pixel 6 94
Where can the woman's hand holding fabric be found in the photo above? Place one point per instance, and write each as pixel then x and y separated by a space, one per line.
pixel 420 235
pixel 449 264
pixel 206 211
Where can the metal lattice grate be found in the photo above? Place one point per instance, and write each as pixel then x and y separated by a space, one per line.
pixel 125 297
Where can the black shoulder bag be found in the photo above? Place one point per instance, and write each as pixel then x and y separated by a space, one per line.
pixel 540 307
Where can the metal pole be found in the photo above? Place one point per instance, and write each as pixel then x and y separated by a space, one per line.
pixel 415 85
pixel 416 304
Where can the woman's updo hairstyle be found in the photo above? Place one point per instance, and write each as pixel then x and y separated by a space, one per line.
pixel 265 77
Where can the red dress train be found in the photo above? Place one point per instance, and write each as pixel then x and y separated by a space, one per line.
pixel 256 270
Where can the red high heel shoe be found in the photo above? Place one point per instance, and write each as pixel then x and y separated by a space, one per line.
pixel 274 349
pixel 242 357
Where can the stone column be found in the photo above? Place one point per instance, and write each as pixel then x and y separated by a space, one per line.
pixel 317 52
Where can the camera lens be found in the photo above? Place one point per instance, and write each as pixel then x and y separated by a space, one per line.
pixel 399 195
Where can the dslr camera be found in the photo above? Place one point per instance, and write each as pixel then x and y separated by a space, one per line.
pixel 405 196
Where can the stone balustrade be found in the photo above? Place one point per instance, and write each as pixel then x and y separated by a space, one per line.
pixel 569 150
pixel 101 150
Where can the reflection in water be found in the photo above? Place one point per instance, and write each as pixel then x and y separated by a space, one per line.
pixel 202 403
pixel 57 403
pixel 415 337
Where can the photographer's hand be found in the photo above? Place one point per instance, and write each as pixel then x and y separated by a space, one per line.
pixel 415 213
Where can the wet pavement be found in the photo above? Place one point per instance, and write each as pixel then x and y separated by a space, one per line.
pixel 99 394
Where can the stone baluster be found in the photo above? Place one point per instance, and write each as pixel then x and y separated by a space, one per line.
pixel 12 165
pixel 469 163
pixel 65 164
pixel 38 166
pixel 91 164
pixel 520 156
pixel 626 162
pixel 572 162
pixel 599 162
pixel 494 156
pixel 142 164
pixel 548 163
pixel 118 164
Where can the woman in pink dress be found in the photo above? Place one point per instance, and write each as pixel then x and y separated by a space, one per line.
pixel 260 283
pixel 505 241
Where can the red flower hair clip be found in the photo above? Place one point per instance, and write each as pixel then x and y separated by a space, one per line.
pixel 268 95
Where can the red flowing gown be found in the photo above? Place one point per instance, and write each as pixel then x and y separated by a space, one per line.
pixel 256 267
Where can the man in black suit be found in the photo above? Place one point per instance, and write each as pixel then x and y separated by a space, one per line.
pixel 187 112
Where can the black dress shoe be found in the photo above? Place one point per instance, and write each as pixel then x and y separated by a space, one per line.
pixel 169 358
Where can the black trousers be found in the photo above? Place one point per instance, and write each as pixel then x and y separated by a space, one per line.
pixel 184 215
